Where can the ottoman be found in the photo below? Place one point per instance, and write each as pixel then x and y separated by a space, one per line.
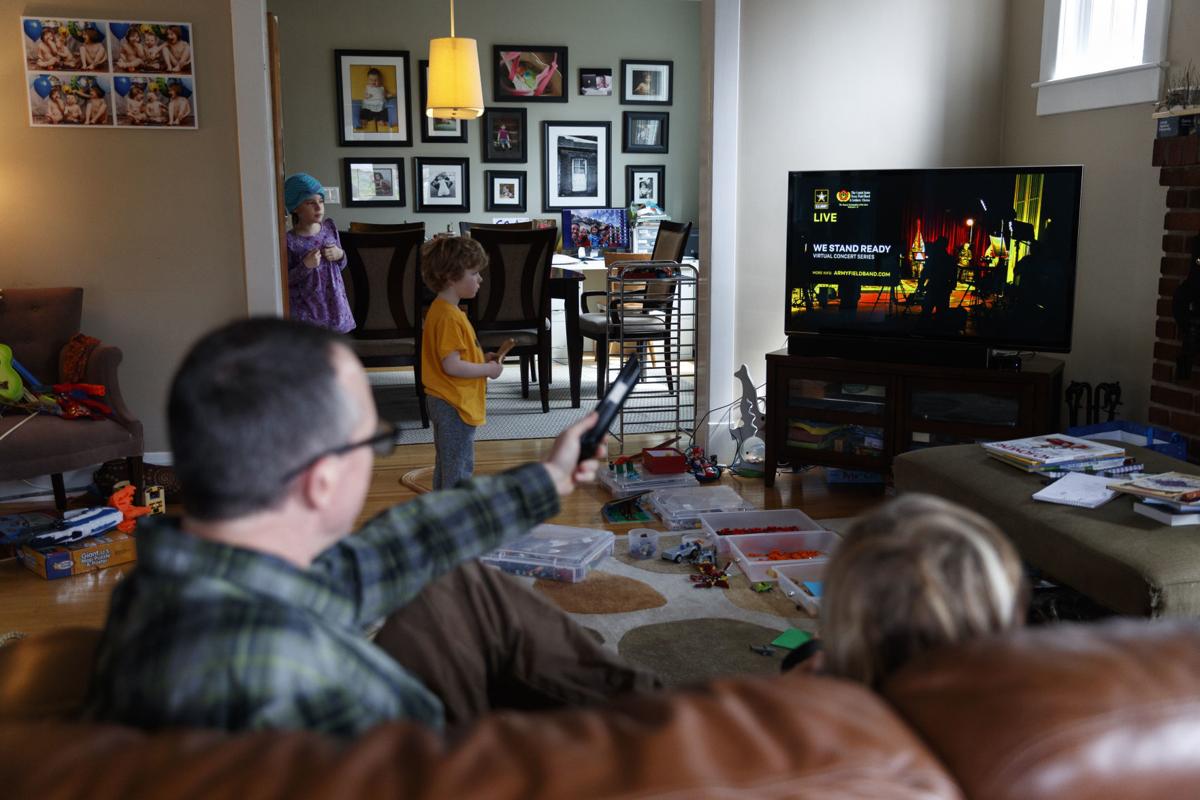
pixel 1122 560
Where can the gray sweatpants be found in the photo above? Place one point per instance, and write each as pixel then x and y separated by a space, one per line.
pixel 453 443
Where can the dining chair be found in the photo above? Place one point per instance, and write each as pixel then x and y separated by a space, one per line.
pixel 464 227
pixel 386 227
pixel 385 291
pixel 514 300
pixel 634 311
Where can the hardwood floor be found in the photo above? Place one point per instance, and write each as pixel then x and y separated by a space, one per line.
pixel 30 604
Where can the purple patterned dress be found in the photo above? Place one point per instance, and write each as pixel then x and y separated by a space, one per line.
pixel 318 295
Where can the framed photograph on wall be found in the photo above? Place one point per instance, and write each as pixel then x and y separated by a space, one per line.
pixel 435 130
pixel 644 132
pixel 646 82
pixel 576 164
pixel 646 183
pixel 374 100
pixel 442 184
pixel 373 182
pixel 505 135
pixel 505 190
pixel 524 73
pixel 595 81
pixel 102 73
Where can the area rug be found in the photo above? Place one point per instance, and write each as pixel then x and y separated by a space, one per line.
pixel 650 612
pixel 511 416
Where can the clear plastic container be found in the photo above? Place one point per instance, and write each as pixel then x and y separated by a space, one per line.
pixel 643 543
pixel 792 578
pixel 758 569
pixel 681 508
pixel 622 485
pixel 555 552
pixel 793 518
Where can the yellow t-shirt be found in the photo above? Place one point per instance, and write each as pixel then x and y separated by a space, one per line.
pixel 447 330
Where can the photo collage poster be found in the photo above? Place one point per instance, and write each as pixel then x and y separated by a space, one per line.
pixel 105 73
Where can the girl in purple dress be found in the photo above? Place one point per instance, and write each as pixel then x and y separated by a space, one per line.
pixel 316 293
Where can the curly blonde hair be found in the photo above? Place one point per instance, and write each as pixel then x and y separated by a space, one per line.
pixel 445 259
pixel 919 573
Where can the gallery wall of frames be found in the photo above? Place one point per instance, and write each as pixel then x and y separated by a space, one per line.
pixel 575 117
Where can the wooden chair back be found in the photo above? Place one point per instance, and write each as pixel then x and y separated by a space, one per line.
pixel 383 283
pixel 377 227
pixel 516 285
pixel 671 241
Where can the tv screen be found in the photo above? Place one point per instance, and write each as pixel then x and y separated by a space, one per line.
pixel 985 255
pixel 602 228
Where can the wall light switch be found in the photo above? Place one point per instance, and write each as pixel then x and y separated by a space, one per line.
pixel 332 194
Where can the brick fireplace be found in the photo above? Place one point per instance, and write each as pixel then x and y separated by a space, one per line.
pixel 1175 404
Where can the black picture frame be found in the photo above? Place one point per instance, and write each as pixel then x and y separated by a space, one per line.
pixel 493 183
pixel 559 139
pixel 536 58
pixel 389 194
pixel 645 131
pixel 454 130
pixel 634 189
pixel 661 75
pixel 489 125
pixel 595 81
pixel 350 66
pixel 426 197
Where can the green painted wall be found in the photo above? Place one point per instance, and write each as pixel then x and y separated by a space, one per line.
pixel 595 34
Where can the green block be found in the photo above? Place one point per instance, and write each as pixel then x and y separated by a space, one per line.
pixel 791 638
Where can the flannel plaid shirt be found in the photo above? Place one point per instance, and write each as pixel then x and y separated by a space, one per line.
pixel 203 634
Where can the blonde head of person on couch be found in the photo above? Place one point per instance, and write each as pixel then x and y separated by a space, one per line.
pixel 917 574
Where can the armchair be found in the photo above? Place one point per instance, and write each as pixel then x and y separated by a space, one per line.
pixel 36 323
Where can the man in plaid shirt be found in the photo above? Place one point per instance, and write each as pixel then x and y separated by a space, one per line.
pixel 252 610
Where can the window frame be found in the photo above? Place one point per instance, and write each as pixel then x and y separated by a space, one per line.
pixel 1140 83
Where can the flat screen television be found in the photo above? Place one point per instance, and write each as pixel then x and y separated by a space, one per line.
pixel 984 256
pixel 603 228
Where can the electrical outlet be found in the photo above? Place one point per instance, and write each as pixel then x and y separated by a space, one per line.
pixel 332 194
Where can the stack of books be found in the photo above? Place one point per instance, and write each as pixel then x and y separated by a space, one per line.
pixel 1172 498
pixel 1057 451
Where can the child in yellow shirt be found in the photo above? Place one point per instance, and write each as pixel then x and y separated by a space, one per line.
pixel 453 367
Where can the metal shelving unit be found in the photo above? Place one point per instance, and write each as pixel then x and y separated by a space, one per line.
pixel 652 312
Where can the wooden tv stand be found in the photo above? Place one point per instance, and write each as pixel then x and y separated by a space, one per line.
pixel 852 414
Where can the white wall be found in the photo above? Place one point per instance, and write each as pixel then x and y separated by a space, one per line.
pixel 1121 221
pixel 844 85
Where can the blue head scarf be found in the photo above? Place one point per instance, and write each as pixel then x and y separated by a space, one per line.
pixel 298 188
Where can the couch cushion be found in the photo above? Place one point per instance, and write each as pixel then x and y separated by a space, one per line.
pixel 46 444
pixel 1065 711
pixel 794 736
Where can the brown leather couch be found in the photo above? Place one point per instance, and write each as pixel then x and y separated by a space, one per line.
pixel 1104 711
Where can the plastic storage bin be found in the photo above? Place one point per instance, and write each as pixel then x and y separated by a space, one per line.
pixel 760 569
pixel 620 484
pixel 681 508
pixel 1160 440
pixel 780 518
pixel 556 552
pixel 791 582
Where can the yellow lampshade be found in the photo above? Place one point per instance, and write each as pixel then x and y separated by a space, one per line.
pixel 454 87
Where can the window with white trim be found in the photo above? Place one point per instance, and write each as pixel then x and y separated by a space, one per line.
pixel 1100 53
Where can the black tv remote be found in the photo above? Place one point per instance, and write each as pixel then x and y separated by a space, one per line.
pixel 614 398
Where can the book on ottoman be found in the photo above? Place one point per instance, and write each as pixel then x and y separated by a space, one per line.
pixel 1053 449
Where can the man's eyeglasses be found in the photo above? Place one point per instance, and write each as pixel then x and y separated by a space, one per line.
pixel 382 442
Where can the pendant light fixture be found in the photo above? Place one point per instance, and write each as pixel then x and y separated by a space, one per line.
pixel 455 91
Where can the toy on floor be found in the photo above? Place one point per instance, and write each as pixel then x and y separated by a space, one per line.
pixel 38 530
pixel 710 576
pixel 122 500
pixel 626 509
pixel 763 649
pixel 706 470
